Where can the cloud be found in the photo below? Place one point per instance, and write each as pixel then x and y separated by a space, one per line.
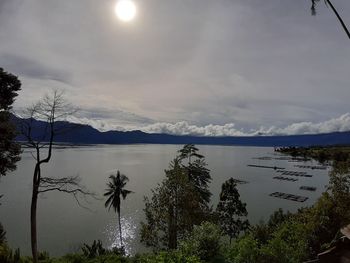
pixel 32 68
pixel 106 120
pixel 339 124
pixel 250 63
pixel 183 128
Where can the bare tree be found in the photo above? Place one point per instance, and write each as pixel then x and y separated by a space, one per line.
pixel 50 109
pixel 329 3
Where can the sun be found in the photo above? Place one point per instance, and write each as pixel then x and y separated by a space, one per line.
pixel 125 10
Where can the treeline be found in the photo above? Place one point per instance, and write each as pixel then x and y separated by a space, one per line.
pixel 321 154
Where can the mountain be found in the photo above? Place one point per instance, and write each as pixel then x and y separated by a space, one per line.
pixel 85 134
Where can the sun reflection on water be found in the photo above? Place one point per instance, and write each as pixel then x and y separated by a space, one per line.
pixel 129 232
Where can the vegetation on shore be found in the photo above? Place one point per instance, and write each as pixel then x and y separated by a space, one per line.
pixel 322 154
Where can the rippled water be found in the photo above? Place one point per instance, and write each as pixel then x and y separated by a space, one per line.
pixel 63 226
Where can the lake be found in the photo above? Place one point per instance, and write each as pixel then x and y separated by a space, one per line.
pixel 63 226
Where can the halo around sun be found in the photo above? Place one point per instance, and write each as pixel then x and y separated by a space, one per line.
pixel 125 10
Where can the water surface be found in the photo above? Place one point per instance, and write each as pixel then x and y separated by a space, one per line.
pixel 63 226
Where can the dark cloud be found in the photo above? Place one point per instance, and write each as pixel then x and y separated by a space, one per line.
pixel 32 68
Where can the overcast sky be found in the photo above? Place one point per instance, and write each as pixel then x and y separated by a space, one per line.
pixel 206 67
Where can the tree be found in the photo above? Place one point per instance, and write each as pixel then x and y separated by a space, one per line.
pixel 204 241
pixel 114 192
pixel 49 109
pixel 173 210
pixel 197 172
pixel 180 202
pixel 2 235
pixel 231 210
pixel 189 151
pixel 328 2
pixel 9 149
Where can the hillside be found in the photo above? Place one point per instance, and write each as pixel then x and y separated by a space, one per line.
pixel 84 134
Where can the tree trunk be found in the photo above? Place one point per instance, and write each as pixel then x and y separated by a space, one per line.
pixel 172 243
pixel 120 232
pixel 33 208
pixel 33 223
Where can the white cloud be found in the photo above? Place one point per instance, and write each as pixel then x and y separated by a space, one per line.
pixel 183 128
pixel 339 124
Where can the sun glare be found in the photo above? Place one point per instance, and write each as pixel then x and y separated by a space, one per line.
pixel 125 10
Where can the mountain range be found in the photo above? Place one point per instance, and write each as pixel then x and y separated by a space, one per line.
pixel 85 134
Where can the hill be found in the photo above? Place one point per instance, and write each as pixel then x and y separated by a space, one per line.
pixel 85 134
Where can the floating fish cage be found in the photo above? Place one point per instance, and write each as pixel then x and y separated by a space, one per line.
pixel 308 188
pixel 293 173
pixel 285 178
pixel 311 167
pixel 296 198
pixel 238 181
pixel 267 158
pixel 264 166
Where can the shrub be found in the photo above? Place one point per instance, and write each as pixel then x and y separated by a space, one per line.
pixel 204 241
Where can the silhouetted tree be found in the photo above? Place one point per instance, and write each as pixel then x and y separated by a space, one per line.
pixel 189 151
pixel 2 235
pixel 197 171
pixel 231 210
pixel 179 203
pixel 328 2
pixel 116 190
pixel 95 250
pixel 9 149
pixel 51 108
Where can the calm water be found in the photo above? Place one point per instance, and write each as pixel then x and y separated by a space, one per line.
pixel 63 226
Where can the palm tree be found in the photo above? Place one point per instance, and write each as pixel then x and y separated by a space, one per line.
pixel 114 191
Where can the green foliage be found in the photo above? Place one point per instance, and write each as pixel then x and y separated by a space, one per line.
pixel 7 255
pixel 204 241
pixel 172 211
pixel 288 244
pixel 166 257
pixel 231 210
pixel 179 202
pixel 278 217
pixel 243 250
pixel 198 173
pixel 77 258
pixel 43 256
pixel 9 149
pixel 95 250
pixel 2 235
pixel 321 154
pixel 189 151
pixel 73 258
pixel 262 232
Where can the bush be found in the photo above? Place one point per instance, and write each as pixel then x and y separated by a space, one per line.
pixel 167 257
pixel 244 250
pixel 204 241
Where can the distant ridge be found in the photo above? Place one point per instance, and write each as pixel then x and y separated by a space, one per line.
pixel 85 134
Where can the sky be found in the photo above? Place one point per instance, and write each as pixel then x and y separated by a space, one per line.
pixel 202 67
